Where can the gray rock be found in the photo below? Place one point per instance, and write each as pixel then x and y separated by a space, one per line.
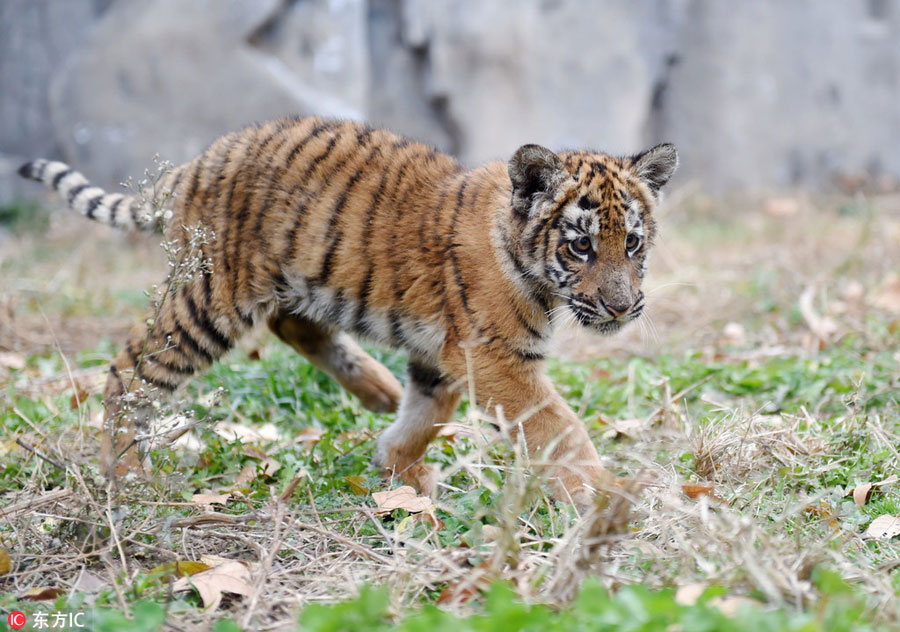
pixel 774 94
pixel 168 77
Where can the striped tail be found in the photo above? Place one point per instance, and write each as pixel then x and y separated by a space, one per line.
pixel 113 209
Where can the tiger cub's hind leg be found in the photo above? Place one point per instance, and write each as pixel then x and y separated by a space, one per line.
pixel 186 336
pixel 338 355
pixel 429 400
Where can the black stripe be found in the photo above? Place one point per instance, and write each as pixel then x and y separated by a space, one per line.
pixel 155 382
pixel 92 206
pixel 534 333
pixel 528 356
pixel 325 271
pixel 114 210
pixel 185 338
pixel 314 133
pixel 425 377
pixel 303 206
pixel 362 307
pixel 59 176
pixel 74 192
pixel 396 329
pixel 206 325
pixel 173 368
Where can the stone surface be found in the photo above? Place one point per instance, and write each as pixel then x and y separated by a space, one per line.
pixel 168 77
pixel 776 94
pixel 763 94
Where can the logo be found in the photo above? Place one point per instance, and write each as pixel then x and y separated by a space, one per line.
pixel 16 619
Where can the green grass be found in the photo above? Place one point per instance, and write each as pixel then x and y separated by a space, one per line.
pixel 845 385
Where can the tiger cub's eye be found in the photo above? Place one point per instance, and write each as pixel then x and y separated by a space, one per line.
pixel 632 242
pixel 581 246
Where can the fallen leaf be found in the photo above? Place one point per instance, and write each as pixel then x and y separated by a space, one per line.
pixel 5 563
pixel 42 593
pixel 177 569
pixel 209 499
pixel 88 582
pixel 11 360
pixel 401 498
pixel 289 490
pixel 230 577
pixel 309 436
pixel 883 528
pixel 693 490
pixel 218 560
pixel 78 397
pixel 357 485
pixel 861 492
pixel 246 475
pixel 450 431
pixel 269 466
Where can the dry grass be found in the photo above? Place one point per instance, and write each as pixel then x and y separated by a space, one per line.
pixel 728 288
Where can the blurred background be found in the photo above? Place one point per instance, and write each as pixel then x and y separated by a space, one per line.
pixel 786 116
pixel 758 95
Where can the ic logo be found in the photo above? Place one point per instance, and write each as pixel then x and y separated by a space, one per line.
pixel 16 619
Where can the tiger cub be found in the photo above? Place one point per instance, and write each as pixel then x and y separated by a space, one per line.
pixel 327 228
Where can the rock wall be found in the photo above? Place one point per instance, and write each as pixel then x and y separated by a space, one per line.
pixel 756 94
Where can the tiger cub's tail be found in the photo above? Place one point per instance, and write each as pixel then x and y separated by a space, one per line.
pixel 113 209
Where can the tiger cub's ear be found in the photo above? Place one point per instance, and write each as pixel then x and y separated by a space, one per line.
pixel 656 165
pixel 534 169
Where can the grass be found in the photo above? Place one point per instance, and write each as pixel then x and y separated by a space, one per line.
pixel 736 390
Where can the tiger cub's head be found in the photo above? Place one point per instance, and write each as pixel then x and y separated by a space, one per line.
pixel 585 226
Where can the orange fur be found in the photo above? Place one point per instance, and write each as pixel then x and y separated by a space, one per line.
pixel 324 227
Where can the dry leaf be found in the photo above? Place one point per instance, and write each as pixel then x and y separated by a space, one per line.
pixel 78 397
pixel 401 498
pixel 88 582
pixel 357 485
pixel 209 499
pixel 5 562
pixel 269 466
pixel 289 490
pixel 178 569
pixel 451 430
pixel 11 360
pixel 42 593
pixel 309 436
pixel 883 528
pixel 693 490
pixel 231 577
pixel 245 476
pixel 861 492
